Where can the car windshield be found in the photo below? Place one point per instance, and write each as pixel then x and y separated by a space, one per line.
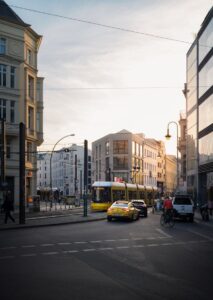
pixel 183 201
pixel 138 202
pixel 120 205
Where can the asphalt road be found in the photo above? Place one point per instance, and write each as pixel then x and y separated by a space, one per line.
pixel 101 260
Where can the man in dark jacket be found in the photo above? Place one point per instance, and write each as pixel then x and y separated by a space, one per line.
pixel 8 207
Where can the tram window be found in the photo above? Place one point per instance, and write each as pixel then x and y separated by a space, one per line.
pixel 118 195
pixel 101 195
pixel 132 195
pixel 142 195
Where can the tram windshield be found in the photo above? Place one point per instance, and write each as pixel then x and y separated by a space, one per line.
pixel 101 194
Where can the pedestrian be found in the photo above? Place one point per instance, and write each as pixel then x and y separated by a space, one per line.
pixel 8 207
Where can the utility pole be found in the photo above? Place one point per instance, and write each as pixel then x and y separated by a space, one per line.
pixel 85 176
pixel 22 173
pixel 75 175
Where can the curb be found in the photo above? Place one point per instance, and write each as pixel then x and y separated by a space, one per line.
pixel 26 226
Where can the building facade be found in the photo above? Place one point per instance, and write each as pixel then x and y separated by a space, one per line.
pixel 182 150
pixel 67 171
pixel 21 97
pixel 171 175
pixel 124 156
pixel 199 111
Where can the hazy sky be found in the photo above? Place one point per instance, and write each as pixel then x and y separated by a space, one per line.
pixel 88 69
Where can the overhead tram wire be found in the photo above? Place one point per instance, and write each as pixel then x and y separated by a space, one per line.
pixel 105 26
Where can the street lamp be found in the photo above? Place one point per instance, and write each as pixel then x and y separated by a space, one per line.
pixel 52 156
pixel 168 136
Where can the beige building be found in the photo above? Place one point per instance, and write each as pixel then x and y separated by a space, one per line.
pixel 21 96
pixel 171 174
pixel 124 156
pixel 182 150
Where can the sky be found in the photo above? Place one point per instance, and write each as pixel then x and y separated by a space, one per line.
pixel 100 80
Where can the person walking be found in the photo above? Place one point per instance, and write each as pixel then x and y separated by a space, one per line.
pixel 8 207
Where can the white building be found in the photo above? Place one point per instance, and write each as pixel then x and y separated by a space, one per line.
pixel 67 170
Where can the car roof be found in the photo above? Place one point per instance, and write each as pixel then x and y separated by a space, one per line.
pixel 137 200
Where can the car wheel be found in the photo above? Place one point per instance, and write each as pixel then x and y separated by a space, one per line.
pixel 109 218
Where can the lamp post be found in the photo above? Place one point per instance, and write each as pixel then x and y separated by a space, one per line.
pixel 52 156
pixel 168 136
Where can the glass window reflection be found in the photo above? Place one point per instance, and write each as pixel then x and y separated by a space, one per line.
pixel 206 41
pixel 205 77
pixel 206 149
pixel 206 113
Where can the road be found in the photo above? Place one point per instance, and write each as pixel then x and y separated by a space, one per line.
pixel 101 260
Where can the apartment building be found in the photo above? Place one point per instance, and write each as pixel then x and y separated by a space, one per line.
pixel 199 113
pixel 124 156
pixel 21 97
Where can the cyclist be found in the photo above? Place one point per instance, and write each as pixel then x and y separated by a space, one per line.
pixel 168 207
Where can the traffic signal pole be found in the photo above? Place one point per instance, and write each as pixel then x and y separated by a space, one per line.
pixel 22 173
pixel 85 176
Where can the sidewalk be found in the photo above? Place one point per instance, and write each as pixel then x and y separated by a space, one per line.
pixel 52 218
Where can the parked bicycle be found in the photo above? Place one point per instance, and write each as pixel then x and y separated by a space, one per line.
pixel 167 219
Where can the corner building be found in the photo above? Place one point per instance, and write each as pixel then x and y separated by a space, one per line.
pixel 21 97
pixel 199 110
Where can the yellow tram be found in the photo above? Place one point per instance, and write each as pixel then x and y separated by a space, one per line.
pixel 104 193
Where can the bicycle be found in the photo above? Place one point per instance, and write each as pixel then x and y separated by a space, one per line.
pixel 167 219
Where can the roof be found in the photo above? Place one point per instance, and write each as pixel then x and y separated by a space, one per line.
pixel 7 14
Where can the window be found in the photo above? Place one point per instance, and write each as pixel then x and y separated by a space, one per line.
pixel 12 111
pixel 205 41
pixel 2 46
pixel 31 87
pixel 38 123
pixel 205 113
pixel 30 118
pixel 120 147
pixel 120 163
pixel 3 75
pixel 12 77
pixel 3 109
pixel 107 148
pixel 29 56
pixel 205 77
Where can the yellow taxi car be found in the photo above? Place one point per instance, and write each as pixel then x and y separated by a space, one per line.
pixel 122 210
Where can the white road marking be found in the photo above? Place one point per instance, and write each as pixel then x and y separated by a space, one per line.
pixel 28 246
pixel 123 240
pixel 50 253
pixel 106 248
pixel 46 245
pixel 65 243
pixel 80 242
pixel 138 246
pixel 163 233
pixel 122 247
pixel 167 244
pixel 70 251
pixel 200 234
pixel 152 245
pixel 95 241
pixel 89 250
pixel 29 255
pixel 8 248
